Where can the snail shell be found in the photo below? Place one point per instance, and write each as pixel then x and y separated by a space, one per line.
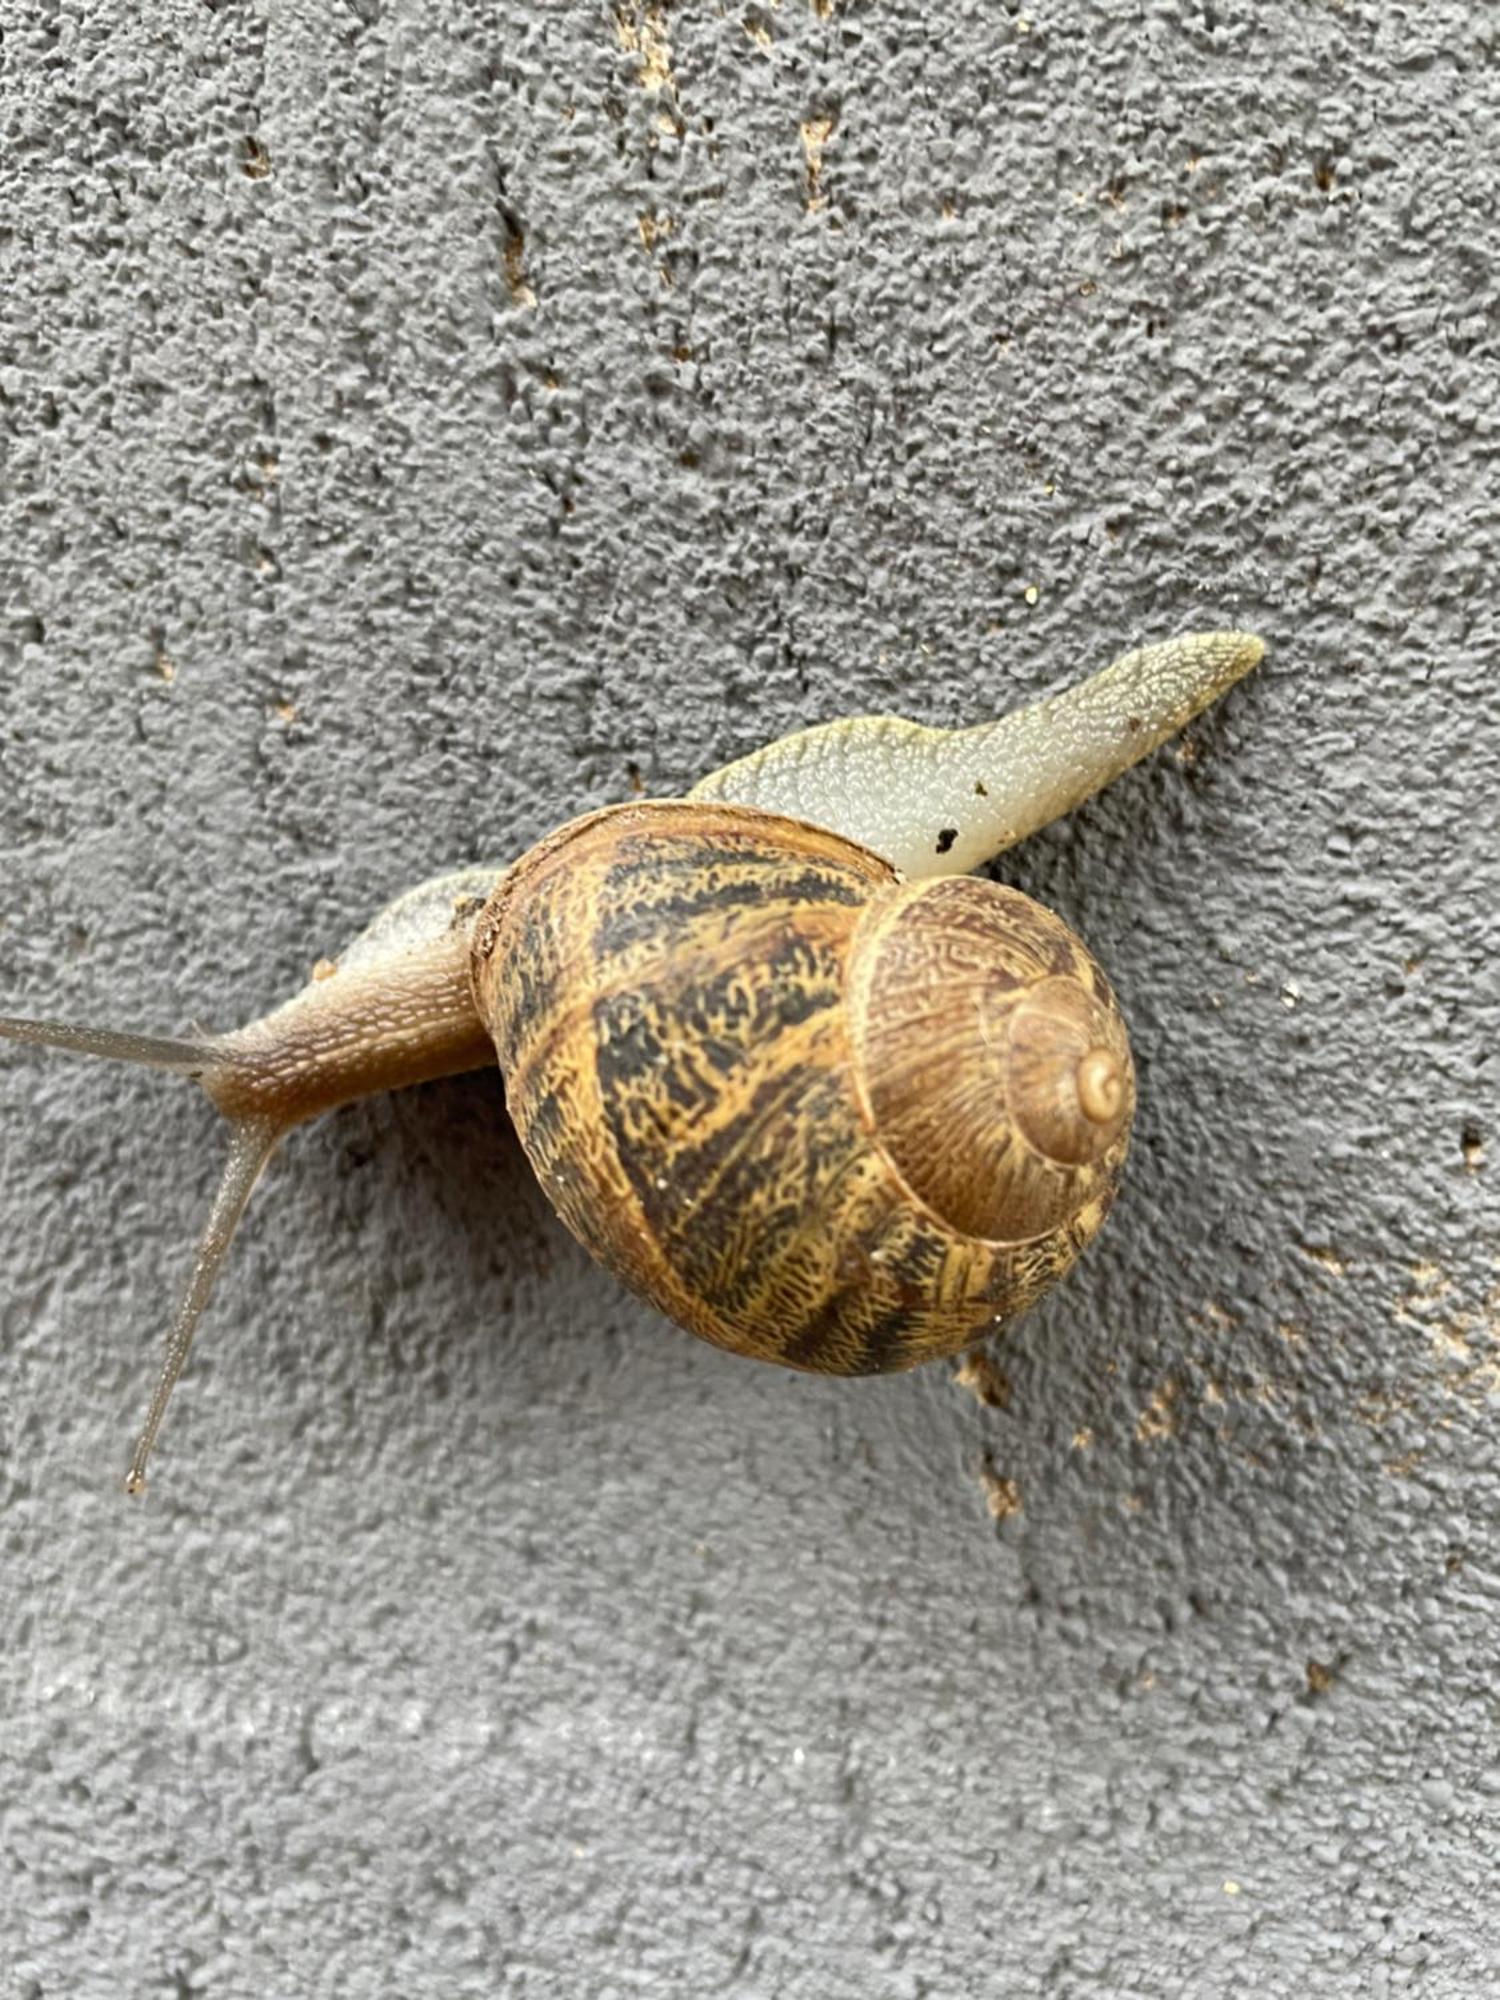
pixel 814 1113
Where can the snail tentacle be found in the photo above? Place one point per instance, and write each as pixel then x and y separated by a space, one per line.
pixel 251 1144
pixel 213 1062
pixel 943 802
pixel 184 1058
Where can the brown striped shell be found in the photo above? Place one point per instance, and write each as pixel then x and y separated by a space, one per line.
pixel 815 1114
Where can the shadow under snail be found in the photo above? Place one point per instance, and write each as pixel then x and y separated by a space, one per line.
pixel 778 1060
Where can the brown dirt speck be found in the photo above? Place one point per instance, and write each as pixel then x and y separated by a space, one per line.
pixel 1002 1496
pixel 816 133
pixel 1328 1257
pixel 1159 1419
pixel 513 259
pixel 642 32
pixel 983 1377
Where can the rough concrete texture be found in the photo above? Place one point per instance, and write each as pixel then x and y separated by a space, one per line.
pixel 424 422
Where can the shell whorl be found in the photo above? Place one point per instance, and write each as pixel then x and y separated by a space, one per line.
pixel 990 1054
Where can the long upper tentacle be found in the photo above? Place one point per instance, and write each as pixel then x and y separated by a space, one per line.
pixel 155 1051
pixel 942 802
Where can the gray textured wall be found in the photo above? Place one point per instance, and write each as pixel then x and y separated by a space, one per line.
pixel 420 421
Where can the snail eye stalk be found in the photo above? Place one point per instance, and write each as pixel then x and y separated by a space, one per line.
pixel 252 1141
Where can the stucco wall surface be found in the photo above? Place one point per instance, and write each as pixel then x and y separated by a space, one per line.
pixel 423 422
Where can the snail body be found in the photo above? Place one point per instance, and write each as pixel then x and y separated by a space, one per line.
pixel 777 1059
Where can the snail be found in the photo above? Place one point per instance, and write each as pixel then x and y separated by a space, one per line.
pixel 778 1059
